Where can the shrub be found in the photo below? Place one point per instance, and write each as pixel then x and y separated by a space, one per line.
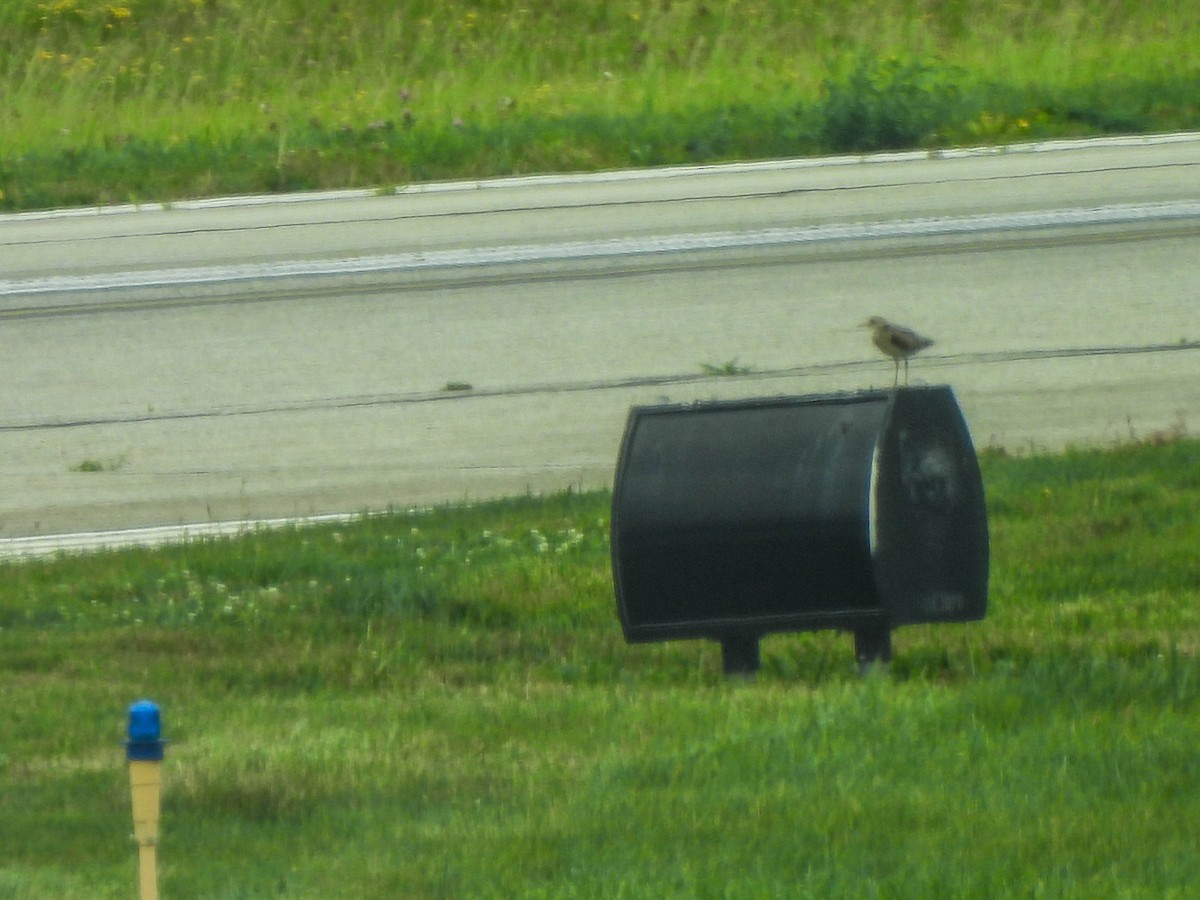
pixel 889 105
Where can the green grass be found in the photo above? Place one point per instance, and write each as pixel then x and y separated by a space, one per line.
pixel 729 368
pixel 165 99
pixel 439 704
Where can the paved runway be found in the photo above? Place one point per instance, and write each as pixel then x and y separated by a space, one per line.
pixel 295 356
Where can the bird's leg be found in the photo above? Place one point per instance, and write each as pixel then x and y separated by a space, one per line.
pixel 896 374
pixel 906 371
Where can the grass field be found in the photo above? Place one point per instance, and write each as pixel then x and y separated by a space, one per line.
pixel 141 100
pixel 439 704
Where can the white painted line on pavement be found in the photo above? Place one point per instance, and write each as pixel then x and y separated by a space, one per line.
pixel 157 536
pixel 1127 214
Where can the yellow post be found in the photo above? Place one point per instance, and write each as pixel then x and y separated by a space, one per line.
pixel 145 782
pixel 148 873
pixel 145 753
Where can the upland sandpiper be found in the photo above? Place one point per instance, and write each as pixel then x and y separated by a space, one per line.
pixel 897 342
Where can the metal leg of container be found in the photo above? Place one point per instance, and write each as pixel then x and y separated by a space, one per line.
pixel 740 654
pixel 872 646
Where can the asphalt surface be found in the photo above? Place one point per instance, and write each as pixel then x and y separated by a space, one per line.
pixel 261 358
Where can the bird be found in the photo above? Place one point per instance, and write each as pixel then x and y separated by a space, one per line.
pixel 897 342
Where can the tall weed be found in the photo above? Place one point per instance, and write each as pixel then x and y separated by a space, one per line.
pixel 890 104
pixel 163 99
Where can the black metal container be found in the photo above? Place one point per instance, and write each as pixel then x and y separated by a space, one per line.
pixel 734 519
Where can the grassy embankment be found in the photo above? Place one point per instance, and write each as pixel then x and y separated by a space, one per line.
pixel 133 100
pixel 439 704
